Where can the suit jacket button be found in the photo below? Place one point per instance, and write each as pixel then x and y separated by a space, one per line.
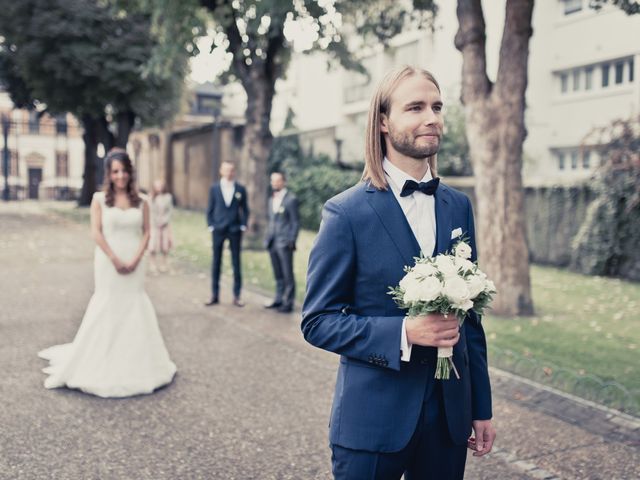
pixel 424 361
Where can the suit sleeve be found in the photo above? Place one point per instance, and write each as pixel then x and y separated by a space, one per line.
pixel 477 347
pixel 327 320
pixel 245 208
pixel 294 225
pixel 211 206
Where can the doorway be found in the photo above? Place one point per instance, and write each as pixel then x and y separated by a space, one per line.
pixel 35 177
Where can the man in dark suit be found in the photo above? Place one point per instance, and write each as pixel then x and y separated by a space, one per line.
pixel 227 216
pixel 390 416
pixel 280 240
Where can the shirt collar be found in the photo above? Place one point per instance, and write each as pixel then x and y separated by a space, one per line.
pixel 398 177
pixel 226 183
pixel 281 193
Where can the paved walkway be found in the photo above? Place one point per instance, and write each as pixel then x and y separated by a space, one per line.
pixel 251 399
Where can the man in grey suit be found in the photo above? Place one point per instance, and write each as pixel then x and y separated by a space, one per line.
pixel 280 240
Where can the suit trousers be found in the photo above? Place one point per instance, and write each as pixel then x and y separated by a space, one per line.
pixel 282 263
pixel 429 455
pixel 235 242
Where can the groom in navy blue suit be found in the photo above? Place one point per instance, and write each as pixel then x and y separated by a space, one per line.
pixel 227 217
pixel 390 416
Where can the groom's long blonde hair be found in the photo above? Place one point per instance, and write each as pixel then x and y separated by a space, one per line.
pixel 375 148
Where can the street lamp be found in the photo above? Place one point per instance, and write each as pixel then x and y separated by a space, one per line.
pixel 5 156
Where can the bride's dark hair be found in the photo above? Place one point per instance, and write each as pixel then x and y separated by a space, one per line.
pixel 120 155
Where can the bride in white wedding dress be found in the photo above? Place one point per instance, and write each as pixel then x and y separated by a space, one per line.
pixel 118 350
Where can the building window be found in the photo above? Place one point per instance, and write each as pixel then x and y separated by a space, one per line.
pixel 34 122
pixel 61 125
pixel 631 70
pixel 605 75
pixel 561 161
pixel 588 78
pixel 208 104
pixel 564 82
pixel 586 159
pixel 619 72
pixel 574 160
pixel 576 80
pixel 62 164
pixel 13 163
pixel 572 6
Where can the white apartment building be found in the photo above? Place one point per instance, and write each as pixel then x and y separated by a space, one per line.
pixel 583 73
pixel 46 154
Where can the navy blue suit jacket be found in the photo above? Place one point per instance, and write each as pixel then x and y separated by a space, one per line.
pixel 360 251
pixel 229 219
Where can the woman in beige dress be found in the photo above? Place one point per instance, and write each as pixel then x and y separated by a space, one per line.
pixel 161 238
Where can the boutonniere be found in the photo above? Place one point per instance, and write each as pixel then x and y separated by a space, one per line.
pixel 281 210
pixel 238 195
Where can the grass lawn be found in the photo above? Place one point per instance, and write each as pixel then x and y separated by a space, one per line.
pixel 584 326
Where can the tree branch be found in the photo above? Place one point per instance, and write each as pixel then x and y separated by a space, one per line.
pixel 471 40
pixel 236 46
pixel 511 81
pixel 274 52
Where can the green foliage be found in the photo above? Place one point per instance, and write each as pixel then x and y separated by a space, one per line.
pixel 314 179
pixel 607 242
pixel 453 157
pixel 87 58
pixel 315 185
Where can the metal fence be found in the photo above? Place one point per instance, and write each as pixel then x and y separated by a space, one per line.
pixel 604 392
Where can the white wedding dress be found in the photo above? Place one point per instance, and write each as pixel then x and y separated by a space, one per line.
pixel 118 350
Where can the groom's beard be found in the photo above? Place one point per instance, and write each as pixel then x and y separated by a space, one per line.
pixel 406 144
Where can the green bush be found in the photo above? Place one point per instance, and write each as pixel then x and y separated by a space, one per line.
pixel 608 239
pixel 315 185
pixel 313 178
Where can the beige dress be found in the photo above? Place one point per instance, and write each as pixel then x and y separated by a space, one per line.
pixel 161 237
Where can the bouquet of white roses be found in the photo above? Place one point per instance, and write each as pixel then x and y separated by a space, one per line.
pixel 446 284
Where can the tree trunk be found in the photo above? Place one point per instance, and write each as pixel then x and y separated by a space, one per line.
pixel 257 143
pixel 125 125
pixel 90 138
pixel 495 130
pixel 105 137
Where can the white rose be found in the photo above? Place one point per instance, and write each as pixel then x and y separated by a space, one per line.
pixel 430 289
pixel 466 265
pixel 410 285
pixel 457 292
pixel 425 269
pixel 489 286
pixel 476 284
pixel 463 250
pixel 466 305
pixel 425 290
pixel 446 265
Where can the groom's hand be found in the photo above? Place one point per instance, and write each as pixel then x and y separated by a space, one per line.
pixel 433 330
pixel 482 443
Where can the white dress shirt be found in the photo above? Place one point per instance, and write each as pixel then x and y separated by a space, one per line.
pixel 228 189
pixel 277 199
pixel 420 211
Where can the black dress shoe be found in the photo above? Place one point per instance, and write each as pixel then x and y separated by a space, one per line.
pixel 273 304
pixel 285 309
pixel 213 301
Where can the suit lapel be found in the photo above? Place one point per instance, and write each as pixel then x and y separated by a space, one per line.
pixel 443 220
pixel 395 223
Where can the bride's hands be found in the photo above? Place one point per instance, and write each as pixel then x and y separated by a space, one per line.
pixel 120 266
pixel 132 265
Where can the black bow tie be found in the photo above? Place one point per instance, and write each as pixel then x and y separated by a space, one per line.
pixel 428 188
